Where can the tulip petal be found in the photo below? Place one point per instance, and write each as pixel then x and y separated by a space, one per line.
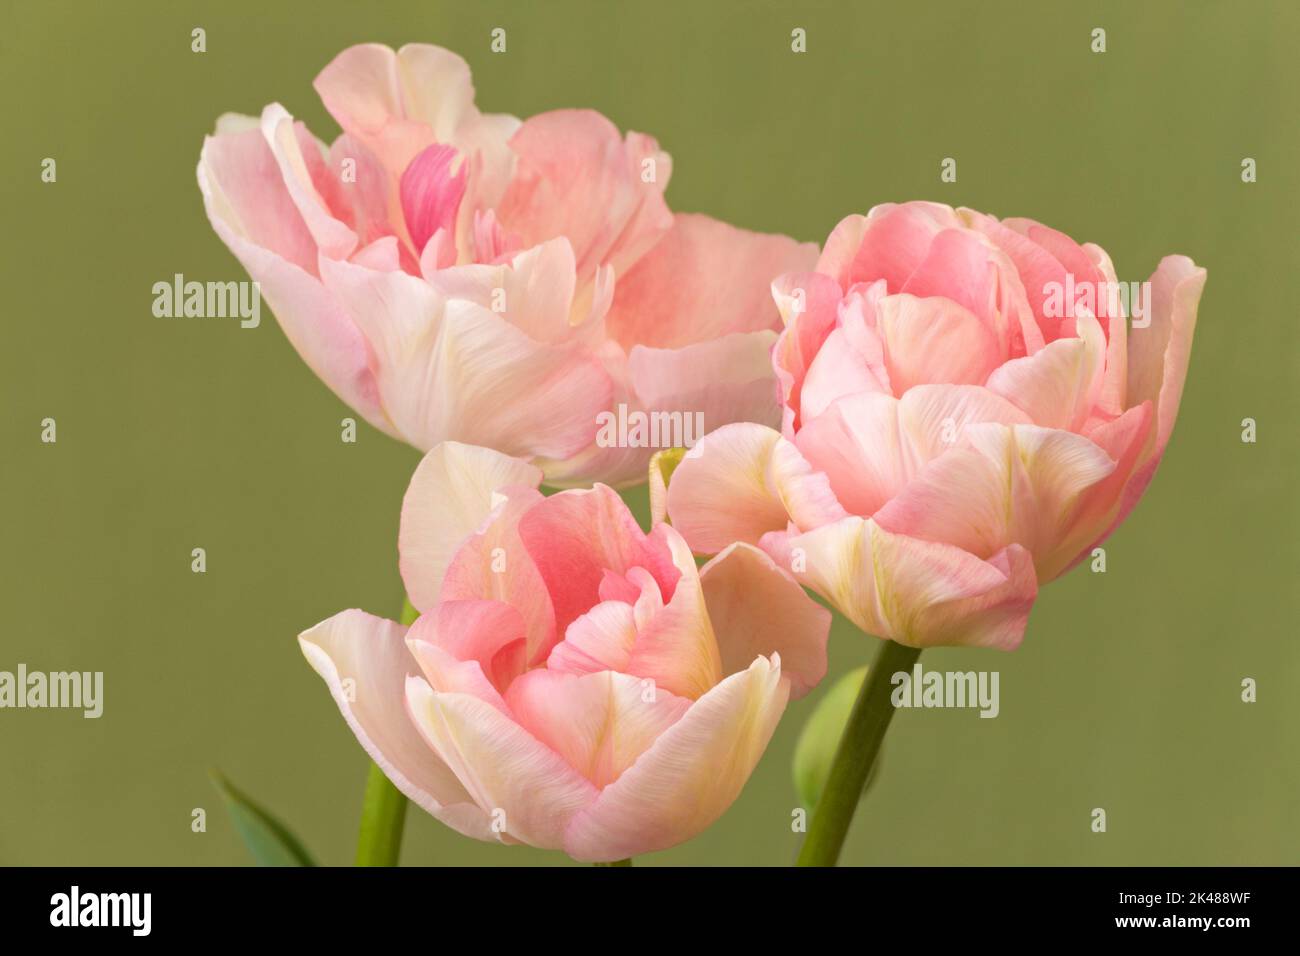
pixel 574 537
pixel 455 371
pixel 364 662
pixel 493 564
pixel 703 280
pixel 599 723
pixel 689 776
pixel 431 189
pixel 768 478
pixel 934 341
pixel 1002 484
pixel 870 445
pixel 919 593
pixel 577 177
pixel 448 499
pixel 528 790
pixel 757 609
pixel 251 211
pixel 1158 355
pixel 1059 385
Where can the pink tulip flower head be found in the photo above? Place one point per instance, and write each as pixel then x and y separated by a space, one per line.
pixel 967 414
pixel 457 275
pixel 571 682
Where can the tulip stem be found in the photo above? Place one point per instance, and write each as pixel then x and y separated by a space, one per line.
pixel 627 862
pixel 854 756
pixel 383 809
pixel 383 816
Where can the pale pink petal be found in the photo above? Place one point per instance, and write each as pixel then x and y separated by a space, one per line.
pixel 893 242
pixel 918 593
pixel 450 496
pixel 488 632
pixel 364 662
pixel 703 280
pixel 843 367
pixel 447 674
pixel 524 787
pixel 599 640
pixel 1058 386
pixel 577 177
pixel 493 564
pixel 934 341
pixel 1002 484
pixel 871 445
pixel 251 211
pixel 690 774
pixel 808 303
pixel 720 492
pixel 533 290
pixel 599 723
pixel 959 265
pixel 675 645
pixel 757 609
pixel 452 370
pixel 1103 506
pixel 1158 355
pixel 301 160
pixel 706 385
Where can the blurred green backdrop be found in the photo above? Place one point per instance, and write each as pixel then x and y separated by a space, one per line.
pixel 176 434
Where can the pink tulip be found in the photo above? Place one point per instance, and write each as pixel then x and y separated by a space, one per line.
pixel 572 682
pixel 456 275
pixel 967 414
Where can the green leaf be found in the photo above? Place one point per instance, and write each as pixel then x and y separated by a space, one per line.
pixel 821 735
pixel 267 839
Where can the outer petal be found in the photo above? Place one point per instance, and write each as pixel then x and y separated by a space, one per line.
pixel 449 497
pixel 918 593
pixel 453 370
pixel 689 776
pixel 369 653
pixel 741 482
pixel 870 445
pixel 757 609
pixel 501 765
pixel 1158 355
pixel 1003 484
pixel 252 212
pixel 703 280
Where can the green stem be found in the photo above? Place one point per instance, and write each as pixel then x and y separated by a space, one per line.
pixel 383 810
pixel 854 756
pixel 627 862
pixel 383 815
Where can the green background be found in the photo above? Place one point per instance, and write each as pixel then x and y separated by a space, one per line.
pixel 176 434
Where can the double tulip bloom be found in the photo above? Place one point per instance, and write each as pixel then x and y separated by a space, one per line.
pixel 572 682
pixel 939 428
pixel 456 275
pixel 957 427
